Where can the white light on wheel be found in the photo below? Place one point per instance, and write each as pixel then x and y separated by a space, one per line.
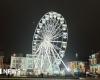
pixel 40 25
pixel 58 15
pixel 36 36
pixel 54 16
pixel 62 52
pixel 64 27
pixel 47 17
pixel 34 48
pixel 58 18
pixel 65 35
pixel 54 13
pixel 34 42
pixel 43 21
pixel 64 44
pixel 38 30
pixel 61 20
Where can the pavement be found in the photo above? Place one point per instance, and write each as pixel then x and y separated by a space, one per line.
pixel 89 78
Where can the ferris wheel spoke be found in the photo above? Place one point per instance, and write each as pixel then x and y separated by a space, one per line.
pixel 57 36
pixel 57 33
pixel 39 48
pixel 38 58
pixel 36 45
pixel 34 51
pixel 37 40
pixel 40 37
pixel 47 25
pixel 56 41
pixel 53 30
pixel 53 53
pixel 42 61
pixel 43 30
pixel 56 53
pixel 58 28
pixel 53 24
pixel 58 48
pixel 56 23
pixel 49 29
pixel 43 33
pixel 61 59
pixel 49 58
pixel 50 21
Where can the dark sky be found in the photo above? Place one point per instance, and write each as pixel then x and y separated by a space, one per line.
pixel 82 16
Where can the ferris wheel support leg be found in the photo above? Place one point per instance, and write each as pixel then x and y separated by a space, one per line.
pixel 36 51
pixel 49 60
pixel 61 60
pixel 54 57
pixel 42 62
pixel 37 60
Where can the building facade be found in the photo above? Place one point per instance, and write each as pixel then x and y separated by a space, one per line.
pixel 24 64
pixel 76 66
pixel 1 62
pixel 94 62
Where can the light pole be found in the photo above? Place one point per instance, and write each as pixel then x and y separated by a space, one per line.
pixel 77 65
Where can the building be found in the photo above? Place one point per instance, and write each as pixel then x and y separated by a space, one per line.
pixel 24 64
pixel 1 62
pixel 94 62
pixel 76 66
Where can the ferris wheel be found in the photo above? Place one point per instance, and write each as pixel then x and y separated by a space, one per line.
pixel 49 42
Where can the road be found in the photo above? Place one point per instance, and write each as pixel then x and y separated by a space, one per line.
pixel 47 79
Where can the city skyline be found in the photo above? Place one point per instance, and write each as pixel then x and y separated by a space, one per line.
pixel 18 20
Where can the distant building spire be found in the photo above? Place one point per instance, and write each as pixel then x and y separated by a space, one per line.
pixel 14 54
pixel 76 55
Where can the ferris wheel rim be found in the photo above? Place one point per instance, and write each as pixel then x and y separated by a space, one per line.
pixel 56 40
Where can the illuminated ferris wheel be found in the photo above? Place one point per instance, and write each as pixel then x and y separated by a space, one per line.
pixel 49 43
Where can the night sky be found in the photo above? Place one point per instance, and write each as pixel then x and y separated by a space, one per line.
pixel 18 20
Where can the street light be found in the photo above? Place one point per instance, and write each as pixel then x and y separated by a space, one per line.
pixel 77 65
